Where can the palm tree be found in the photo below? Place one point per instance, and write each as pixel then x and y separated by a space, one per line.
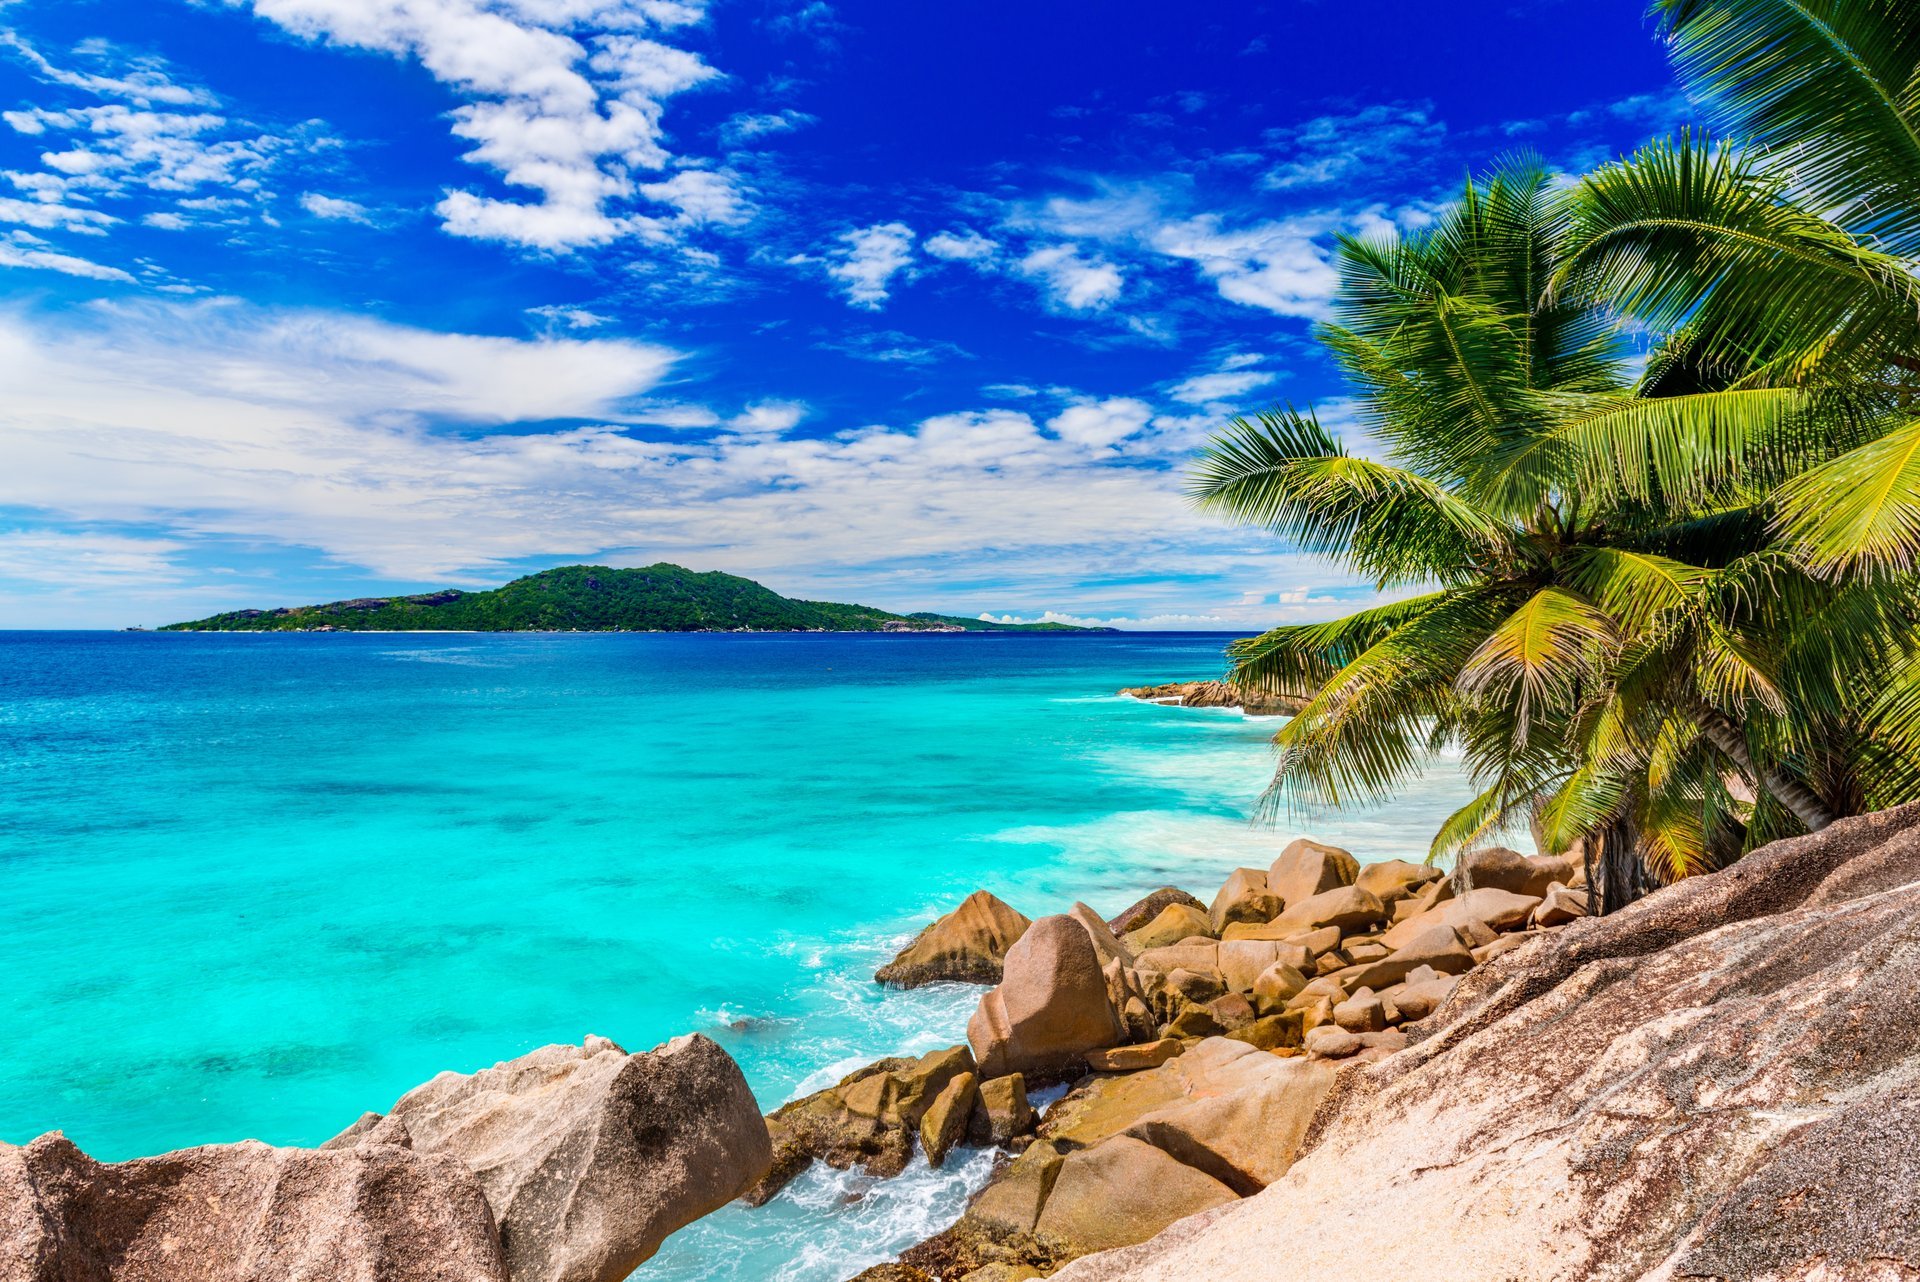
pixel 1609 629
pixel 1783 278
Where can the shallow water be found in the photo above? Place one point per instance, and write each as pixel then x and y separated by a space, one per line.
pixel 257 885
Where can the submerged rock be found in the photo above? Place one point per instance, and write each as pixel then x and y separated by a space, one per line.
pixel 243 1213
pixel 1715 1082
pixel 966 946
pixel 590 1156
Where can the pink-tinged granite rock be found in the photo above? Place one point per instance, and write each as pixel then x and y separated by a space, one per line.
pixel 590 1156
pixel 1509 870
pixel 1307 868
pixel 1715 1082
pixel 1052 1007
pixel 243 1213
pixel 966 946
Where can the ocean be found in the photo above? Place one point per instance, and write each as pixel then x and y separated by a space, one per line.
pixel 259 884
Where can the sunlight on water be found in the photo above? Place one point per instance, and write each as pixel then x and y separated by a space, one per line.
pixel 261 884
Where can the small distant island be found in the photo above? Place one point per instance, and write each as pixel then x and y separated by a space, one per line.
pixel 594 598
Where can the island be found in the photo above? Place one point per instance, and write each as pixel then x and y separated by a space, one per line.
pixel 594 598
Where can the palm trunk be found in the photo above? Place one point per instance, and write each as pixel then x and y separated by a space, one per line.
pixel 1788 791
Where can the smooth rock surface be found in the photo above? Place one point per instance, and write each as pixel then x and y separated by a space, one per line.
pixel 1050 1009
pixel 1142 911
pixel 1306 868
pixel 244 1213
pixel 590 1156
pixel 1715 1082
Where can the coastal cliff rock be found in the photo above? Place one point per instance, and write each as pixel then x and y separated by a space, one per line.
pixel 1053 1005
pixel 1217 694
pixel 243 1213
pixel 590 1156
pixel 968 946
pixel 1715 1082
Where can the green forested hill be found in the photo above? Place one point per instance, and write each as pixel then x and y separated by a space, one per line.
pixel 592 598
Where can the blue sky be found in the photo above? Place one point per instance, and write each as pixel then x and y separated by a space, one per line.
pixel 925 306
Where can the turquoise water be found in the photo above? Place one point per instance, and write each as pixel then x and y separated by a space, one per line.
pixel 256 885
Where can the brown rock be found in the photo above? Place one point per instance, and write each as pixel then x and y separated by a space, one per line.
pixel 1140 913
pixel 1231 1011
pixel 590 1156
pixel 944 1124
pixel 1132 1059
pixel 1175 923
pixel 1395 879
pixel 1271 1032
pixel 1011 1204
pixel 1347 907
pixel 1195 1021
pixel 1002 1272
pixel 1489 909
pixel 1244 1137
pixel 1219 694
pixel 1050 1009
pixel 1332 1042
pixel 1509 870
pixel 1418 1000
pixel 1242 960
pixel 1560 906
pixel 243 1213
pixel 1278 983
pixel 1361 1013
pixel 967 946
pixel 1714 1082
pixel 1307 868
pixel 1433 946
pixel 1201 958
pixel 869 1118
pixel 1244 898
pixel 1001 1112
pixel 1119 1192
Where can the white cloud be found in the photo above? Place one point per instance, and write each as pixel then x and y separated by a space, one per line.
pixel 768 418
pixel 701 197
pixel 1203 389
pixel 86 559
pixel 571 317
pixel 17 253
pixel 1278 266
pixel 558 104
pixel 335 209
pixel 750 125
pixel 1098 424
pixel 964 245
pixel 1073 281
pixel 872 257
pixel 146 80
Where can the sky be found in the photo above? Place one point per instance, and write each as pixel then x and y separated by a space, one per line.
pixel 919 306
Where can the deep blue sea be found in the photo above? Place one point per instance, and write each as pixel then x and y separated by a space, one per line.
pixel 257 884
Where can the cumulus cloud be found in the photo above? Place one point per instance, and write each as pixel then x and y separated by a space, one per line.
pixel 868 261
pixel 963 245
pixel 1098 424
pixel 558 104
pixel 1073 281
pixel 1280 266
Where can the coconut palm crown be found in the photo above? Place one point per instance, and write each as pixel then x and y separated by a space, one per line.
pixel 1603 612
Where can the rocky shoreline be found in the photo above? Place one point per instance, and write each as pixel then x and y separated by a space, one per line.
pixel 1217 694
pixel 1378 1065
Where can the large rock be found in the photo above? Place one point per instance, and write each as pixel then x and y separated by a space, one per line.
pixel 590 1156
pixel 1244 897
pixel 1050 1009
pixel 1145 910
pixel 1119 1192
pixel 1715 1082
pixel 244 1213
pixel 1307 868
pixel 1396 879
pixel 1509 870
pixel 1174 923
pixel 967 946
pixel 1347 908
pixel 1489 909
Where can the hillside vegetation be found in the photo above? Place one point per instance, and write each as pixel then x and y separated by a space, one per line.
pixel 593 598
